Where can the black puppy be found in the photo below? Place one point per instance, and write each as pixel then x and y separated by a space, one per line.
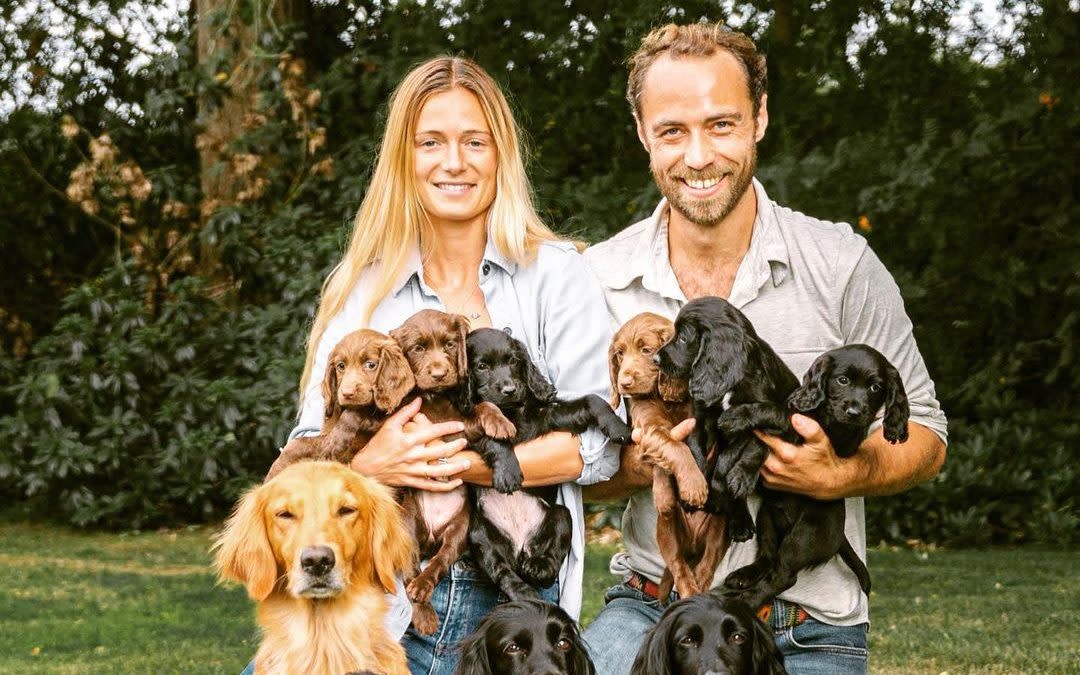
pixel 527 637
pixel 709 633
pixel 521 538
pixel 843 390
pixel 726 364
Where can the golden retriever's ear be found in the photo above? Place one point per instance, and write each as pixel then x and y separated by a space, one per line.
pixel 381 530
pixel 394 379
pixel 243 550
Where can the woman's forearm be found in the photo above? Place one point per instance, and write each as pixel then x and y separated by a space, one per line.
pixel 550 459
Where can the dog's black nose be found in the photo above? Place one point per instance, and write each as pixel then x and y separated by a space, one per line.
pixel 656 358
pixel 317 560
pixel 853 411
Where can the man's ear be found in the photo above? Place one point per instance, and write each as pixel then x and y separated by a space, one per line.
pixel 761 122
pixel 641 132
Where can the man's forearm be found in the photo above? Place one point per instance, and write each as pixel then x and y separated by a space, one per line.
pixel 881 468
pixel 548 460
pixel 633 476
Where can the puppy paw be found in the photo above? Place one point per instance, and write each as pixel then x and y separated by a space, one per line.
pixel 424 619
pixel 741 531
pixel 507 477
pixel 693 490
pixel 617 431
pixel 493 422
pixel 740 483
pixel 420 589
pixel 541 570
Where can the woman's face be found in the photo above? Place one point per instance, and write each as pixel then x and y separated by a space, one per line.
pixel 454 158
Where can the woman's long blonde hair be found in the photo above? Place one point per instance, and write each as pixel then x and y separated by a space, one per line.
pixel 391 219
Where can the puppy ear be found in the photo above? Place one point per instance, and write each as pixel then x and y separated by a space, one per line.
pixel 461 325
pixel 329 387
pixel 671 389
pixel 720 363
pixel 391 549
pixel 765 655
pixel 580 663
pixel 538 385
pixel 814 385
pixel 897 409
pixel 474 657
pixel 243 551
pixel 614 361
pixel 652 658
pixel 394 379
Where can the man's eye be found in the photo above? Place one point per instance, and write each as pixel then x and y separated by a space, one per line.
pixel 370 364
pixel 843 381
pixel 564 644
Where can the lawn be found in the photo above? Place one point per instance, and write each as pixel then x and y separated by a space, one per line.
pixel 146 602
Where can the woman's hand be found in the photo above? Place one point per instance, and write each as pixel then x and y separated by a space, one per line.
pixel 402 458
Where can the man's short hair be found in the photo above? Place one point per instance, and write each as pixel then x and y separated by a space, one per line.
pixel 696 39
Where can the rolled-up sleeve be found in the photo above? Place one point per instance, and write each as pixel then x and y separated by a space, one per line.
pixel 873 313
pixel 574 339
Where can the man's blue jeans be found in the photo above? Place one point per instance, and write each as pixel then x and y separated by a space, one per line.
pixel 461 599
pixel 811 648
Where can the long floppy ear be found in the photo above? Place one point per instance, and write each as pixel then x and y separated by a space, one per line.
pixel 243 552
pixel 394 379
pixel 720 363
pixel 391 550
pixel 461 325
pixel 815 384
pixel 671 389
pixel 652 657
pixel 474 657
pixel 329 388
pixel 897 409
pixel 614 360
pixel 580 663
pixel 538 385
pixel 766 656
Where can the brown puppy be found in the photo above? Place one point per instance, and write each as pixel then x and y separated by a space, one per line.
pixel 434 344
pixel 656 403
pixel 318 547
pixel 366 379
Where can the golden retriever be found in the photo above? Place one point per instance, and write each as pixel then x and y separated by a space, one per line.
pixel 318 547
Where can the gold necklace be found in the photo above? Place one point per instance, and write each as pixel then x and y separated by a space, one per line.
pixel 460 306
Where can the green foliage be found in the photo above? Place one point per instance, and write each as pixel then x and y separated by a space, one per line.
pixel 165 348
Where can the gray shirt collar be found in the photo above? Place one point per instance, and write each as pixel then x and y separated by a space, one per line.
pixel 767 256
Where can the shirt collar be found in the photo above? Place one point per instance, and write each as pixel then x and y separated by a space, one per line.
pixel 414 266
pixel 651 263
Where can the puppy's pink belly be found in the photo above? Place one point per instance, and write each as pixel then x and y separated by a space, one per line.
pixel 518 514
pixel 439 507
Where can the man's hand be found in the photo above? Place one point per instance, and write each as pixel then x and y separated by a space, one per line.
pixel 812 469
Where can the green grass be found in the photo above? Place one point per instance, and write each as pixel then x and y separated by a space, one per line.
pixel 75 602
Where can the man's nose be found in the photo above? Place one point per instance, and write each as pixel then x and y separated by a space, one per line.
pixel 699 153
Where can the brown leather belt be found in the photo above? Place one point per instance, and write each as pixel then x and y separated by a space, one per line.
pixel 779 614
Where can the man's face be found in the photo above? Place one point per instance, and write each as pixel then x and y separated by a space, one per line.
pixel 698 125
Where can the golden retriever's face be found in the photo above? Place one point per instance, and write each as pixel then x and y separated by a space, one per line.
pixel 633 371
pixel 366 368
pixel 316 530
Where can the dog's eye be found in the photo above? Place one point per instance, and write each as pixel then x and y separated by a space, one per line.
pixel 843 381
pixel 875 387
pixel 345 510
pixel 370 364
pixel 451 345
pixel 285 515
pixel 688 641
pixel 564 644
pixel 417 349
pixel 340 365
pixel 647 350
pixel 512 648
pixel 481 366
pixel 737 637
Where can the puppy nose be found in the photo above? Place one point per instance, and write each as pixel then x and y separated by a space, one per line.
pixel 853 410
pixel 508 388
pixel 626 380
pixel 438 373
pixel 317 560
pixel 347 392
pixel 656 358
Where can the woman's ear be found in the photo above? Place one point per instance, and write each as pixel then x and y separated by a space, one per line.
pixel 243 551
pixel 393 380
pixel 897 410
pixel 815 384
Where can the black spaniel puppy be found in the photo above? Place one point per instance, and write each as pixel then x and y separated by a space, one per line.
pixel 726 364
pixel 528 637
pixel 520 539
pixel 709 634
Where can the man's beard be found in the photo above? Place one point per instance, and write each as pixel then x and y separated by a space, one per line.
pixel 707 212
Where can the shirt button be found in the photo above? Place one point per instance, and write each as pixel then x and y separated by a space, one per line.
pixel 508 330
pixel 487 269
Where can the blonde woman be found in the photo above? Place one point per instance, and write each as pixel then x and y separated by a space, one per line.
pixel 448 223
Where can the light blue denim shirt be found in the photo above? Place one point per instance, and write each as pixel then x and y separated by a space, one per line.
pixel 556 307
